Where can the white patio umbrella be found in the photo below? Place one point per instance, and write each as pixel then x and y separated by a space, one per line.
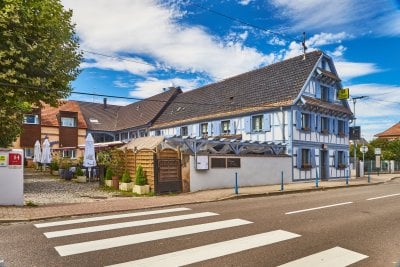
pixel 46 155
pixel 89 158
pixel 37 154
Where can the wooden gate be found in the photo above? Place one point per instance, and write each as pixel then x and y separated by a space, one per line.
pixel 169 176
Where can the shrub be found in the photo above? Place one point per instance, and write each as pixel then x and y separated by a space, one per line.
pixel 140 176
pixel 109 174
pixel 126 178
pixel 54 165
pixel 79 172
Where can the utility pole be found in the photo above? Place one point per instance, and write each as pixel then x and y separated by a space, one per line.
pixel 354 99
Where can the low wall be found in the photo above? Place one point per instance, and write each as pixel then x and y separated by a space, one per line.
pixel 253 171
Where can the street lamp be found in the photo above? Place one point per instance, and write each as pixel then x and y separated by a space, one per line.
pixel 354 99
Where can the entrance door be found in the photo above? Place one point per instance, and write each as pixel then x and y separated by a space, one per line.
pixel 324 164
pixel 169 176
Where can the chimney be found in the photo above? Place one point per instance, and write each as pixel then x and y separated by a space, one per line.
pixel 105 103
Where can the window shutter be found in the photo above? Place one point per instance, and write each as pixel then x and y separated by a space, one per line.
pixel 178 131
pixel 330 130
pixel 336 126
pixel 298 119
pixel 190 130
pixel 209 133
pixel 247 124
pixel 346 128
pixel 231 127
pixel 312 158
pixel 266 122
pixel 299 160
pixel 345 158
pixel 317 90
pixel 318 122
pixel 331 94
pixel 336 159
pixel 216 128
pixel 196 130
pixel 312 124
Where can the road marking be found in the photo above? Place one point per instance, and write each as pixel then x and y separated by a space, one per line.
pixel 318 208
pixel 113 226
pixel 373 198
pixel 336 256
pixel 101 244
pixel 109 217
pixel 197 254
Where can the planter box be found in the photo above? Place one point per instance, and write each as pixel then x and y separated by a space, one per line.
pixel 141 189
pixel 55 173
pixel 126 186
pixel 81 179
pixel 108 183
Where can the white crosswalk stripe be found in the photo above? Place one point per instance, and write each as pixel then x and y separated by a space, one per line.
pixel 114 242
pixel 109 217
pixel 334 257
pixel 211 251
pixel 114 226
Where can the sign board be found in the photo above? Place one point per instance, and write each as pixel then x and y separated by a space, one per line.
pixel 3 160
pixel 202 162
pixel 378 162
pixel 14 159
pixel 355 133
pixel 378 151
pixel 364 149
pixel 343 94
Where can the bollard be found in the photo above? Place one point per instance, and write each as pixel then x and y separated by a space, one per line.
pixel 236 183
pixel 316 180
pixel 347 177
pixel 282 181
pixel 369 174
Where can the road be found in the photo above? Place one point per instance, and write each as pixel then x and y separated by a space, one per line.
pixel 356 225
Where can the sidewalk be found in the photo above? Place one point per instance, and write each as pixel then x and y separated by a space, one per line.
pixel 16 214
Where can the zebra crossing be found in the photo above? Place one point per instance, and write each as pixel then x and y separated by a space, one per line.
pixel 336 256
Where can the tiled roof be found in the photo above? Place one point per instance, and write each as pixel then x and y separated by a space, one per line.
pixel 49 114
pixel 328 106
pixel 114 118
pixel 262 88
pixel 393 131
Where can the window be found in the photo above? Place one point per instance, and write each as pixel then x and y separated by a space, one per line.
pixel 142 133
pixel 184 131
pixel 324 125
pixel 69 153
pixel 306 159
pixel 305 121
pixel 341 126
pixel 256 123
pixel 116 137
pixel 68 122
pixel 158 133
pixel 29 152
pixel 324 93
pixel 225 127
pixel 132 134
pixel 124 136
pixel 218 162
pixel 31 119
pixel 341 160
pixel 204 129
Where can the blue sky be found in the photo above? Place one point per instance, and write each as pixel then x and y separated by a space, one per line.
pixel 150 45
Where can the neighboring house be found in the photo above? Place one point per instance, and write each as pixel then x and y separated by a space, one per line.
pixel 64 126
pixel 291 102
pixel 390 134
pixel 109 123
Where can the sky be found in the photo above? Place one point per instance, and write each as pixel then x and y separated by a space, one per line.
pixel 135 48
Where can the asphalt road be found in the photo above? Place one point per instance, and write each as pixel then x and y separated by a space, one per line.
pixel 359 225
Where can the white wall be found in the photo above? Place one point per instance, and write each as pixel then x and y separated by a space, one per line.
pixel 254 170
pixel 11 179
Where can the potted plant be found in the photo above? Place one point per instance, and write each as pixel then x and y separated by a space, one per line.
pixel 103 159
pixel 108 177
pixel 126 182
pixel 81 177
pixel 65 165
pixel 54 167
pixel 141 187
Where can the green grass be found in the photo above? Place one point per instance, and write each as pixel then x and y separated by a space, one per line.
pixel 30 203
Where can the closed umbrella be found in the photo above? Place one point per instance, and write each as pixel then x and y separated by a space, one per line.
pixel 37 154
pixel 46 155
pixel 89 158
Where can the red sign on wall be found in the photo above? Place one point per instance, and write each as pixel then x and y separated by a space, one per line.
pixel 14 159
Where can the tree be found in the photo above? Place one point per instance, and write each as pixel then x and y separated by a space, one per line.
pixel 39 58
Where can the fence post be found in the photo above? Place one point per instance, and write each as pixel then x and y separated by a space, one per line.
pixel 236 183
pixel 347 177
pixel 282 181
pixel 369 174
pixel 316 180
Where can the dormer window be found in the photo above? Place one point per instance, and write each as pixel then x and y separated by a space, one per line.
pixel 31 119
pixel 184 131
pixel 225 127
pixel 324 93
pixel 68 122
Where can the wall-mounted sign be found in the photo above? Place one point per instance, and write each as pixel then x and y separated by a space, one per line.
pixel 14 160
pixel 3 160
pixel 378 151
pixel 343 94
pixel 355 133
pixel 201 162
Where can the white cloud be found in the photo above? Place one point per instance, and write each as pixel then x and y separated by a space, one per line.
pixel 244 2
pixel 152 29
pixel 277 41
pixel 338 52
pixel 152 86
pixel 349 70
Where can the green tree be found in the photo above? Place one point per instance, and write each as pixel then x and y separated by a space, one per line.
pixel 39 58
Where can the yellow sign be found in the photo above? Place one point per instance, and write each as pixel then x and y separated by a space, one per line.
pixel 3 160
pixel 343 94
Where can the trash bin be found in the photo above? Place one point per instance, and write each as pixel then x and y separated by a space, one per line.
pixel 115 182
